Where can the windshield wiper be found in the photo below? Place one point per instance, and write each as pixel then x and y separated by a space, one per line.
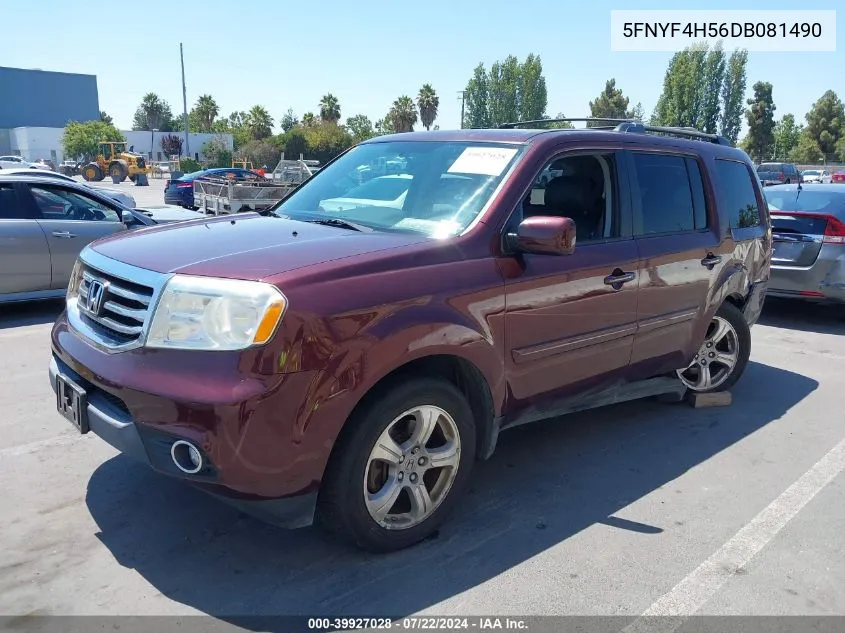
pixel 344 224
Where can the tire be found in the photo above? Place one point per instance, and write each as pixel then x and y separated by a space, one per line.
pixel 119 170
pixel 727 336
pixel 354 475
pixel 92 172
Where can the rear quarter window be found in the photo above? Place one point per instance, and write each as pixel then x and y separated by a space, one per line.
pixel 736 194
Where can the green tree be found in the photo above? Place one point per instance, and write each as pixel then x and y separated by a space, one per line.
pixel 786 135
pixel 637 112
pixel 825 122
pixel 610 104
pixel 236 125
pixel 293 143
pixel 202 115
pixel 807 151
pixel 476 100
pixel 259 122
pixel 428 102
pixel 289 120
pixel 154 113
pixel 80 140
pixel 329 109
pixel 325 141
pixel 560 125
pixel 360 128
pixel 403 114
pixel 680 102
pixel 260 153
pixel 714 77
pixel 384 125
pixel 216 153
pixel 533 97
pixel 105 118
pixel 761 122
pixel 309 119
pixel 840 149
pixel 733 92
pixel 503 97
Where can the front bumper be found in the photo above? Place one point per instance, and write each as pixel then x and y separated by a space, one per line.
pixel 251 432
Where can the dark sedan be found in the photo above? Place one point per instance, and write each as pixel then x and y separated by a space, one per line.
pixel 808 230
pixel 180 191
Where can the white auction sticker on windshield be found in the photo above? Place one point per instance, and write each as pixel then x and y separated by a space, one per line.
pixel 486 161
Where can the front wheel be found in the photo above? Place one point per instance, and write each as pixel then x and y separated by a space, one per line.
pixel 723 354
pixel 401 467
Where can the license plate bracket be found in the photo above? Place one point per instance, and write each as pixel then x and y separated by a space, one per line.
pixel 72 403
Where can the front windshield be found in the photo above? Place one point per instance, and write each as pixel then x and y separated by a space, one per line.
pixel 430 187
pixel 810 172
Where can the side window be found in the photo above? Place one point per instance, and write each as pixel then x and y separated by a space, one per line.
pixel 582 188
pixel 666 195
pixel 56 203
pixel 736 194
pixel 10 208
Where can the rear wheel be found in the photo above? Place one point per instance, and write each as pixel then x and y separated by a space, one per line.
pixel 401 468
pixel 92 172
pixel 723 355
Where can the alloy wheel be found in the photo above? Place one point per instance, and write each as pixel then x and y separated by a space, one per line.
pixel 715 359
pixel 412 467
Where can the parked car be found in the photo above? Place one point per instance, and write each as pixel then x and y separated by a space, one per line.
pixel 838 177
pixel 180 191
pixel 16 162
pixel 46 222
pixel 349 366
pixel 816 176
pixel 778 173
pixel 808 229
pixel 126 199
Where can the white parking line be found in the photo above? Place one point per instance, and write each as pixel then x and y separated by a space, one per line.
pixel 689 595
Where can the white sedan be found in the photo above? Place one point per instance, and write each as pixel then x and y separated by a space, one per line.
pixel 16 162
pixel 821 176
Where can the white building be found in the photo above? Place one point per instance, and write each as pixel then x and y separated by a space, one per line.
pixel 33 143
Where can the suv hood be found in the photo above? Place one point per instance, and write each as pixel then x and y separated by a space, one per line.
pixel 246 246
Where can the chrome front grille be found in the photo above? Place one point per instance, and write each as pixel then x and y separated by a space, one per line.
pixel 117 310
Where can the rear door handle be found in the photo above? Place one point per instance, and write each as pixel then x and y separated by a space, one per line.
pixel 63 234
pixel 618 278
pixel 711 260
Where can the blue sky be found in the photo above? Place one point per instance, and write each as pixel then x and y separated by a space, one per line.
pixel 285 54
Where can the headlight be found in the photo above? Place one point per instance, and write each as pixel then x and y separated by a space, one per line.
pixel 75 281
pixel 215 314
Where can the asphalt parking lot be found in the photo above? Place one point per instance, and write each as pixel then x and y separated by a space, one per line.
pixel 638 508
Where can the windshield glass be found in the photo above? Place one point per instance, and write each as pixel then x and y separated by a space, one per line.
pixel 806 200
pixel 434 188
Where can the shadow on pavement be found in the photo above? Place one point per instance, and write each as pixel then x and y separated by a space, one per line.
pixel 546 482
pixel 14 315
pixel 803 316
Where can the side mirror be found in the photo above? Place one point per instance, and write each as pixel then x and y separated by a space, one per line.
pixel 126 217
pixel 545 235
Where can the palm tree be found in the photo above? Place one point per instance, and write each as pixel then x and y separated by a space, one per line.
pixel 330 109
pixel 428 101
pixel 206 110
pixel 259 122
pixel 403 114
pixel 309 120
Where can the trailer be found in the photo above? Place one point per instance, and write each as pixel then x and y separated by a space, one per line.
pixel 229 195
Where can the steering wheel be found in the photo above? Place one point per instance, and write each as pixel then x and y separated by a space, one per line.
pixel 87 213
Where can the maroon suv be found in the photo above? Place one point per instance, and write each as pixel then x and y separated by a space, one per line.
pixel 346 357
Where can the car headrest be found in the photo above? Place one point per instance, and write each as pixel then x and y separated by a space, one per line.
pixel 569 194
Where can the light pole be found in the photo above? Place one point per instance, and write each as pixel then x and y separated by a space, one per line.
pixel 152 141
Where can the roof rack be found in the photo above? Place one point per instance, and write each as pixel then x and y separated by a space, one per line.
pixel 633 126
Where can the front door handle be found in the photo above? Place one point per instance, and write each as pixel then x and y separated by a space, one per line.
pixel 618 278
pixel 63 234
pixel 711 260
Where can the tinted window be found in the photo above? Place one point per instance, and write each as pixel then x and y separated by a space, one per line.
pixel 9 207
pixel 736 194
pixel 64 204
pixel 698 199
pixel 666 197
